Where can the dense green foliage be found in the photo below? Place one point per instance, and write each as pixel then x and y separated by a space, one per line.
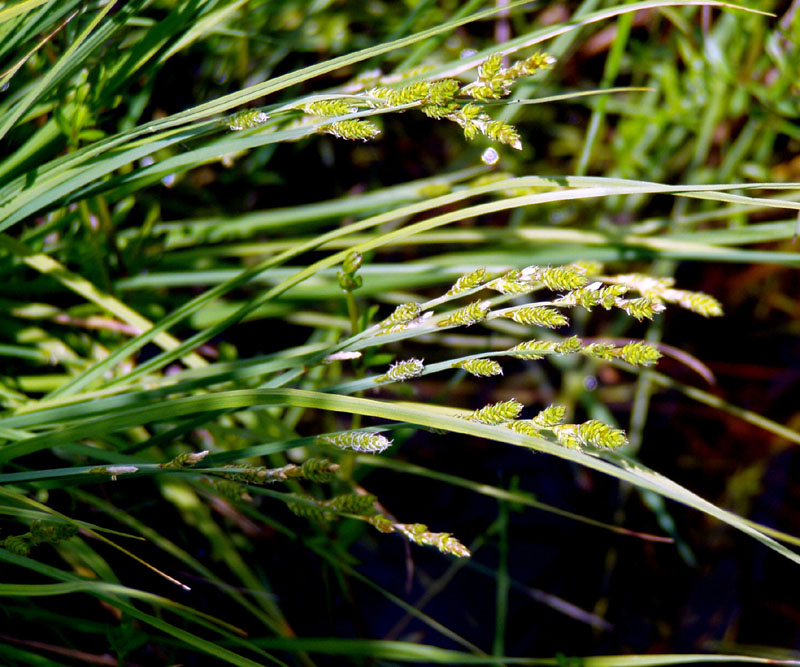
pixel 267 261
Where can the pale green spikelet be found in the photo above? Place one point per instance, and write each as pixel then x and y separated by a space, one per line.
pixel 641 308
pixel 605 351
pixel 503 133
pixel 353 129
pixel 587 297
pixel 468 281
pixel 698 302
pixel 419 534
pixel 402 371
pixel 17 544
pixel 662 289
pixel 353 503
pixel 247 120
pixel 405 312
pixel 231 490
pixel 307 507
pixel 536 315
pixel 490 67
pixel 359 441
pixel 334 107
pixel 535 63
pixel 497 413
pixel 593 295
pixel 512 282
pixel 494 81
pixel 51 532
pixel 413 92
pixel 524 426
pixel 444 542
pixel 184 460
pixel 382 523
pixel 534 349
pixel 610 294
pixel 442 91
pixel 319 469
pixel 558 277
pixel 599 434
pixel 468 315
pixel 569 345
pixel 639 354
pixel 250 474
pixel 567 435
pixel 480 367
pixel 382 96
pixel 550 416
pixel 439 111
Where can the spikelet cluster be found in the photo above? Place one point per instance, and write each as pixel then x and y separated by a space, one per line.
pixel 427 93
pixel 533 349
pixel 404 315
pixel 536 315
pixel 480 367
pixel 513 282
pixel 334 107
pixel 661 289
pixel 402 370
pixel 358 441
pixel 352 503
pixel 468 315
pixel 524 426
pixel 494 81
pixel 315 469
pixel 605 351
pixel 232 491
pixel 593 433
pixel 17 544
pixel 641 308
pixel 247 120
pixel 468 281
pixel 550 416
pixel 568 277
pixel 444 542
pixel 186 459
pixel 698 302
pixel 318 469
pixel 306 507
pixel 363 130
pixel 593 295
pixel 475 122
pixel 51 532
pixel 360 504
pixel 497 413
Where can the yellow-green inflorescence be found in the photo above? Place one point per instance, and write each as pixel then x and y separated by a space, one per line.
pixel 497 413
pixel 247 120
pixel 41 532
pixel 480 367
pixel 468 281
pixel 358 441
pixel 402 370
pixel 593 433
pixel 419 534
pixel 439 99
